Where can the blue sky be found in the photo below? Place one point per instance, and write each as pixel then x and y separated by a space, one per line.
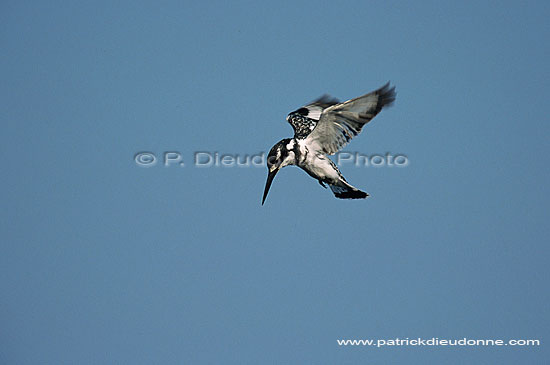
pixel 105 261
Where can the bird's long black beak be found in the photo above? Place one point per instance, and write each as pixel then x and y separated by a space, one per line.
pixel 270 177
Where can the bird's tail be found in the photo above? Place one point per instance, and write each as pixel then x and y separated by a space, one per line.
pixel 346 191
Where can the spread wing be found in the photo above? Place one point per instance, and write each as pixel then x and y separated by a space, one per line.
pixel 339 123
pixel 304 120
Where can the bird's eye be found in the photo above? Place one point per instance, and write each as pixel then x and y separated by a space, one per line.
pixel 271 160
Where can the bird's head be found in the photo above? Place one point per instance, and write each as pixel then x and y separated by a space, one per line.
pixel 280 156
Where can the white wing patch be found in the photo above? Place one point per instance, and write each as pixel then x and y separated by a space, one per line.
pixel 314 112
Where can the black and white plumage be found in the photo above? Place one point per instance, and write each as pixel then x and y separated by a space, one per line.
pixel 322 128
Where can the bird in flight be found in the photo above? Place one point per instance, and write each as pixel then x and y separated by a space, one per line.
pixel 322 128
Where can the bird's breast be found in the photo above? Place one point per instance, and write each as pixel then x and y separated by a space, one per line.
pixel 320 167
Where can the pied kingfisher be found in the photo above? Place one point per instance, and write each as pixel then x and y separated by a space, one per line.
pixel 324 127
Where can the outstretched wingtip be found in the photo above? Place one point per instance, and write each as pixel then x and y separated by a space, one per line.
pixel 387 94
